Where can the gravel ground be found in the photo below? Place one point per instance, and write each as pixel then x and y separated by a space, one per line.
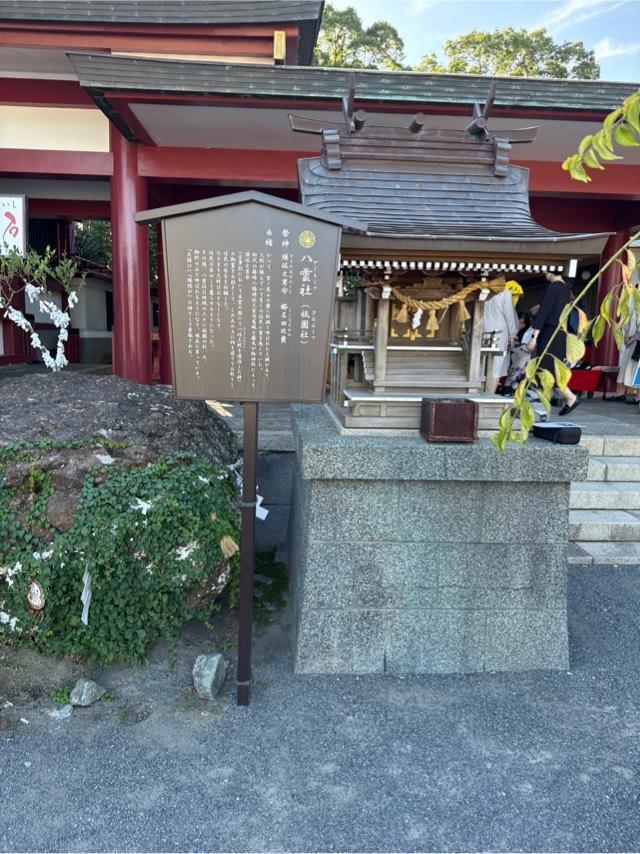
pixel 75 405
pixel 493 762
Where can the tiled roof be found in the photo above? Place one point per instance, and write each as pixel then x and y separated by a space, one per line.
pixel 162 11
pixel 101 71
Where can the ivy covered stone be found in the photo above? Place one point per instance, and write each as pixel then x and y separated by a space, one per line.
pixel 134 533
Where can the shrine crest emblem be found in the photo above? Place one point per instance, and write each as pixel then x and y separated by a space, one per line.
pixel 307 239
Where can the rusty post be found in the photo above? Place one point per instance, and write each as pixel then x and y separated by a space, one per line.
pixel 247 552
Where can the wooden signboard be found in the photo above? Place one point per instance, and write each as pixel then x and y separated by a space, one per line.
pixel 250 284
pixel 250 288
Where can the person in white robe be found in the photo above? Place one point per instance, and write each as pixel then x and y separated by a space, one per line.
pixel 501 318
pixel 629 366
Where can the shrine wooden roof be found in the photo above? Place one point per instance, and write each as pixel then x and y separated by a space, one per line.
pixel 432 184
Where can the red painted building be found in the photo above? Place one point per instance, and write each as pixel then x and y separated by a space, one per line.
pixel 108 108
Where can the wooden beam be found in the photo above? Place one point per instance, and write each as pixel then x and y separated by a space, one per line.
pixel 23 161
pixel 477 327
pixel 224 166
pixel 381 342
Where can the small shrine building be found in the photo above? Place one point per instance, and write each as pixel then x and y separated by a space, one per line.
pixel 108 109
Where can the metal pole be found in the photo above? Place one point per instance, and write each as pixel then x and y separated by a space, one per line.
pixel 247 552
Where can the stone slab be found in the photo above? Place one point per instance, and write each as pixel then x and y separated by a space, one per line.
pixel 526 640
pixel 593 444
pixel 327 454
pixel 622 446
pixel 435 641
pixel 605 495
pixel 597 469
pixel 579 556
pixel 604 525
pixel 627 554
pixel 621 468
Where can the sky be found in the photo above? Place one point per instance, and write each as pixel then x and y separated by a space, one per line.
pixel 610 27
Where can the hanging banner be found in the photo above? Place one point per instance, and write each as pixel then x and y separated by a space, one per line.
pixel 13 224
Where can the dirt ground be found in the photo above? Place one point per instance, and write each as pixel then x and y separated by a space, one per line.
pixel 32 684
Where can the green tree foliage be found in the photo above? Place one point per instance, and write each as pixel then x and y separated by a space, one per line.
pixel 621 125
pixel 345 43
pixel 93 241
pixel 514 53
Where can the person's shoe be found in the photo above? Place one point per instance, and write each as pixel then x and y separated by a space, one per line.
pixel 567 409
pixel 619 398
pixel 632 400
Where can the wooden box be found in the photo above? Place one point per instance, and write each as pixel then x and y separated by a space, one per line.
pixel 448 420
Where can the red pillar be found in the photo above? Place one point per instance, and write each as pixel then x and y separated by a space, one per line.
pixel 131 299
pixel 607 350
pixel 165 334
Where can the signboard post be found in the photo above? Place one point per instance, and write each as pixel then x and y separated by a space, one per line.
pixel 250 289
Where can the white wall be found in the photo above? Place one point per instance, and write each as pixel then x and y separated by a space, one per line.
pixel 90 314
pixel 53 128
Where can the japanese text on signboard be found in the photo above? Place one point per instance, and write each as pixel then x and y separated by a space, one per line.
pixel 262 299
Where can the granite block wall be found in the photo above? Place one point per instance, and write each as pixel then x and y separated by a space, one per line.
pixel 414 558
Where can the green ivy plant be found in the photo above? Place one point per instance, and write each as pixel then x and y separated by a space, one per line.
pixel 621 126
pixel 147 535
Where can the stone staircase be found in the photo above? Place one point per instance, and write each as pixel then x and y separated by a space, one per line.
pixel 605 509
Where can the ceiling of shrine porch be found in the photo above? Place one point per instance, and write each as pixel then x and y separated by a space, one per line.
pixel 211 126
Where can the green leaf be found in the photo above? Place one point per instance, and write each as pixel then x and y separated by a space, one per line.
pixel 619 336
pixel 625 136
pixel 545 399
pixel 632 111
pixel 531 368
pixel 499 439
pixel 564 316
pixel 527 415
pixel 605 308
pixel 575 348
pixel 636 299
pixel 610 120
pixel 518 397
pixel 546 380
pixel 586 142
pixel 591 160
pixel 599 325
pixel 602 146
pixel 562 372
pixel 578 173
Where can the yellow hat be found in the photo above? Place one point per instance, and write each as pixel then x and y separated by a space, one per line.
pixel 516 290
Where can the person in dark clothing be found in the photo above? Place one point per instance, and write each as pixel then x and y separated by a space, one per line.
pixel 557 295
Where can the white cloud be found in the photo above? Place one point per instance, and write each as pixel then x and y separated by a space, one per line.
pixel 574 12
pixel 419 7
pixel 605 48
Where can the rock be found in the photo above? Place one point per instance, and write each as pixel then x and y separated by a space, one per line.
pixel 61 509
pixel 208 675
pixel 86 692
pixel 62 713
pixel 72 405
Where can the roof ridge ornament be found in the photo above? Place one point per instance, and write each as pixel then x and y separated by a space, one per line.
pixel 354 119
pixel 479 125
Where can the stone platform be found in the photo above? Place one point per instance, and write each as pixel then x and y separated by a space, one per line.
pixel 408 557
